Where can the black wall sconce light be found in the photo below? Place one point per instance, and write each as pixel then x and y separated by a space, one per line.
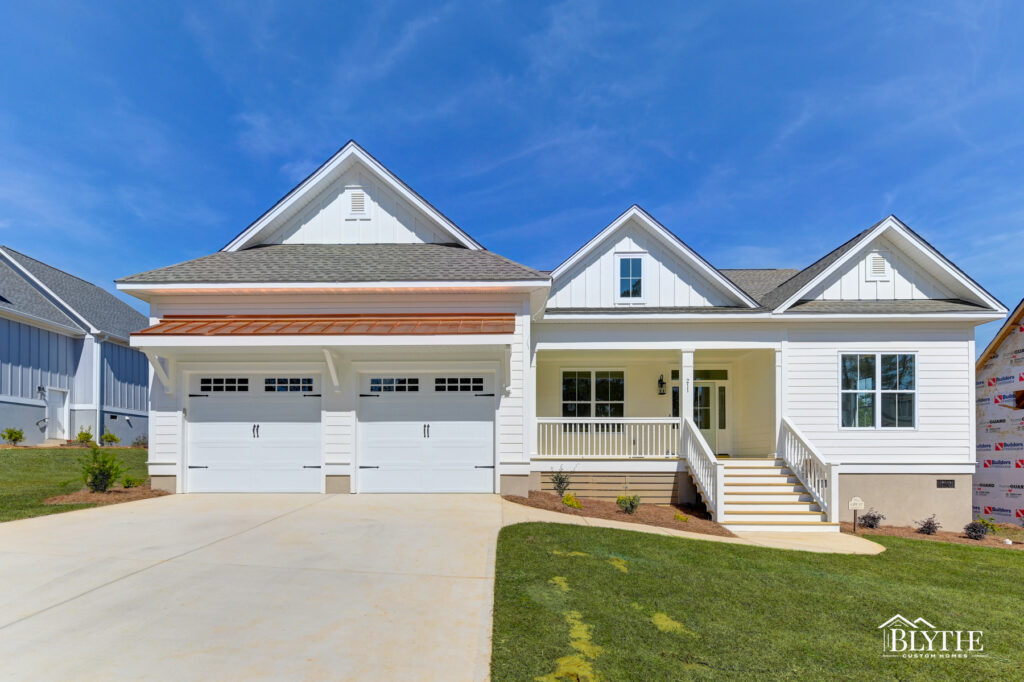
pixel 661 385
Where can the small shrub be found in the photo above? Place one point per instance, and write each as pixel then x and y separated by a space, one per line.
pixel 100 469
pixel 560 480
pixel 976 530
pixel 682 518
pixel 133 481
pixel 84 435
pixel 929 526
pixel 141 442
pixel 109 438
pixel 989 523
pixel 13 436
pixel 570 500
pixel 628 503
pixel 871 519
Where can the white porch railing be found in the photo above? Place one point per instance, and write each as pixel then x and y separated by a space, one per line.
pixel 819 477
pixel 707 472
pixel 594 437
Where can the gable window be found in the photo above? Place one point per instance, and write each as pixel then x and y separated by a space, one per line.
pixel 878 390
pixel 630 278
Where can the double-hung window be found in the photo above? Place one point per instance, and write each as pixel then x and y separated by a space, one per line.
pixel 593 393
pixel 630 278
pixel 878 390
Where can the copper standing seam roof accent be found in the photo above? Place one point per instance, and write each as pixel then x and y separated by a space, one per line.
pixel 331 325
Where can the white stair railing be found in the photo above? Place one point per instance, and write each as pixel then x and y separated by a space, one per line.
pixel 707 472
pixel 819 477
pixel 612 437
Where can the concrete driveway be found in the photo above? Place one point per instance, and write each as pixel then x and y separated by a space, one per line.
pixel 252 586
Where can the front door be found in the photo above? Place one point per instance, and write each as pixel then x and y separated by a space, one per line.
pixel 705 412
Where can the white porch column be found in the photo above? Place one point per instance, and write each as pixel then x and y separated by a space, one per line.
pixel 531 404
pixel 779 393
pixel 685 384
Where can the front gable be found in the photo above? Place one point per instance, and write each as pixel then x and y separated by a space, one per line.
pixel 352 199
pixel 671 275
pixel 890 262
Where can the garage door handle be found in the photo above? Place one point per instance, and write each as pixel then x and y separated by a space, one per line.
pixel 310 466
pixel 198 395
pixel 484 466
pixel 194 466
pixel 368 467
pixel 483 395
pixel 369 395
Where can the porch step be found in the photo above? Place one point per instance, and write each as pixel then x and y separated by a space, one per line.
pixel 780 476
pixel 783 527
pixel 770 516
pixel 769 506
pixel 54 442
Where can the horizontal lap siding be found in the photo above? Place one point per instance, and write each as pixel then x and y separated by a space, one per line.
pixel 125 377
pixel 660 487
pixel 944 381
pixel 511 445
pixel 31 357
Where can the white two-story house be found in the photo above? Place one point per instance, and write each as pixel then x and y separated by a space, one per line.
pixel 354 340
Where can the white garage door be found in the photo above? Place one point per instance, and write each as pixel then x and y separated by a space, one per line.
pixel 254 434
pixel 426 433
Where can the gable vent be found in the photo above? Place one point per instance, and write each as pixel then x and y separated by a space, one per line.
pixel 358 202
pixel 877 268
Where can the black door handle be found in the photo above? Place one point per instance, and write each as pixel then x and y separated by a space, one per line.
pixel 194 466
pixel 428 430
pixel 257 430
pixel 253 430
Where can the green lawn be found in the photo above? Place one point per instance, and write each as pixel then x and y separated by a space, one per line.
pixel 621 605
pixel 29 475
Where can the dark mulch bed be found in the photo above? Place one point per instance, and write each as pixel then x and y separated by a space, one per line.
pixel 941 536
pixel 112 496
pixel 649 514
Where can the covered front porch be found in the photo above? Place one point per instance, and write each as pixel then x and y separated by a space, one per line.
pixel 627 404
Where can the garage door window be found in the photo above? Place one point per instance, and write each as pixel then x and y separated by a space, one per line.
pixel 288 384
pixel 458 384
pixel 394 385
pixel 224 384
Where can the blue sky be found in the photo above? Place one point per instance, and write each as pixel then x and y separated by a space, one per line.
pixel 134 135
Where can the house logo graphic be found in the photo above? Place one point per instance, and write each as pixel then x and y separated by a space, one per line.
pixel 1020 514
pixel 996 464
pixel 1019 464
pixel 992 381
pixel 904 638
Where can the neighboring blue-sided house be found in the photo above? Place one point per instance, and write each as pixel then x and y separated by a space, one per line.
pixel 65 362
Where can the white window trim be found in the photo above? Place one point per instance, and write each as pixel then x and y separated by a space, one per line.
pixel 593 390
pixel 878 390
pixel 619 299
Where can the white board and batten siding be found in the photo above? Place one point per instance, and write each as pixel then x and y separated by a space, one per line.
pixel 945 376
pixel 667 281
pixel 357 209
pixel 900 279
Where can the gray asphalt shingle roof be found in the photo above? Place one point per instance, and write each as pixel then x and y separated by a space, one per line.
pixel 342 263
pixel 758 282
pixel 99 307
pixel 18 296
pixel 884 307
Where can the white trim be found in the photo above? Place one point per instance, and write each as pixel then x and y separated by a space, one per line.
pixel 894 224
pixel 157 341
pixel 126 411
pixel 71 312
pixel 325 174
pixel 922 468
pixel 641 317
pixel 263 287
pixel 18 400
pixel 33 321
pixel 593 464
pixel 663 234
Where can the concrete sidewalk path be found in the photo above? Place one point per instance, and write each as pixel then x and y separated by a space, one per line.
pixel 837 543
